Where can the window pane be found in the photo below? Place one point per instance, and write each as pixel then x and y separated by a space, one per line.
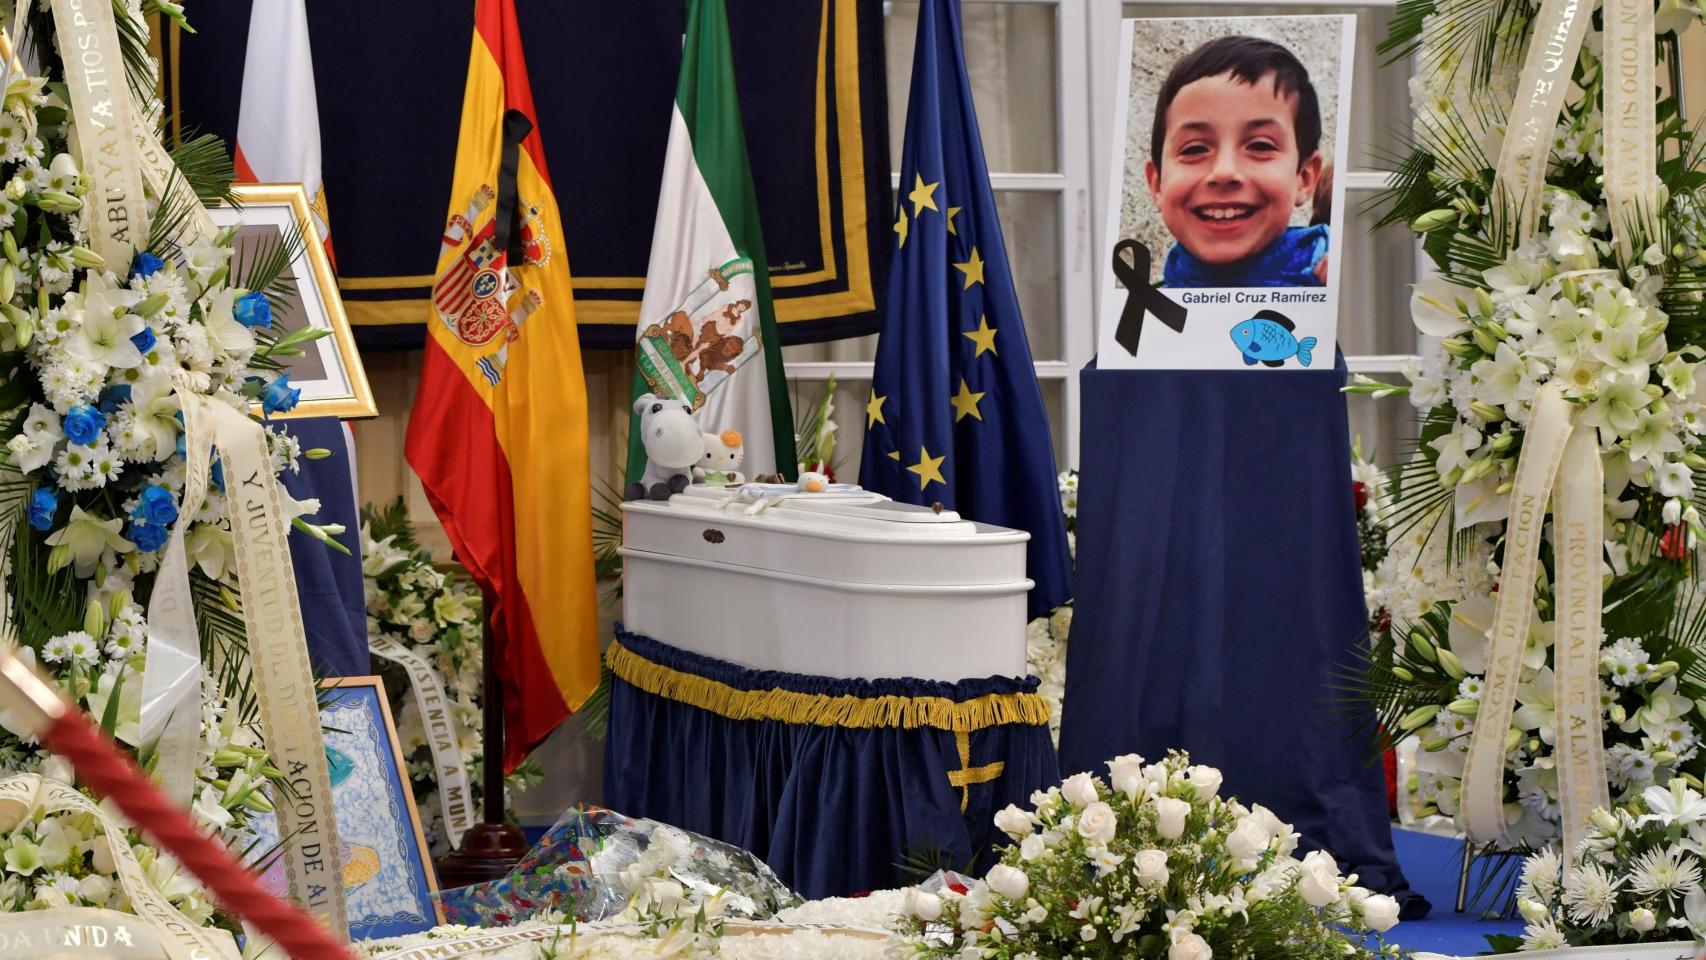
pixel 1030 224
pixel 1010 54
pixel 1387 428
pixel 1380 99
pixel 1374 284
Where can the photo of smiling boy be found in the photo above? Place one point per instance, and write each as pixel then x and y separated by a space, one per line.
pixel 1234 150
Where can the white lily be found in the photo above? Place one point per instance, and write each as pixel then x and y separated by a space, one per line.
pixel 1538 711
pixel 1674 804
pixel 88 539
pixel 1506 379
pixel 224 331
pixel 1654 436
pixel 107 324
pixel 212 548
pixel 1438 307
pixel 1617 408
pixel 1622 350
pixel 156 408
pixel 1565 331
pixel 1455 447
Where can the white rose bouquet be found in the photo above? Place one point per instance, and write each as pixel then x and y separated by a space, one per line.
pixel 1151 862
pixel 1635 879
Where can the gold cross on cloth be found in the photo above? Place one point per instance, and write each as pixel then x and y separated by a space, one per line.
pixel 967 775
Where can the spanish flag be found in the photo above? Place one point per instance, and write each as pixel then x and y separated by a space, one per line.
pixel 498 432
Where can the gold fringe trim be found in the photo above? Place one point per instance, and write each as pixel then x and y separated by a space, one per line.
pixel 822 710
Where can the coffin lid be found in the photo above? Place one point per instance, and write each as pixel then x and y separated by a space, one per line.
pixel 862 513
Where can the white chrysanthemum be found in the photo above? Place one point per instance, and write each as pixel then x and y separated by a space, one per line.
pixel 1665 872
pixel 1590 892
pixel 1540 875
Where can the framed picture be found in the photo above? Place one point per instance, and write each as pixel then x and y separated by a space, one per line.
pixel 388 875
pixel 1225 219
pixel 329 370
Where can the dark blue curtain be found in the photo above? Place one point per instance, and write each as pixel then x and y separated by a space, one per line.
pixel 1220 593
pixel 831 809
pixel 329 583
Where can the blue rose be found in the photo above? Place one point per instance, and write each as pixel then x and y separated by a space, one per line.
pixel 280 397
pixel 147 537
pixel 145 340
pixel 113 397
pixel 83 424
pixel 156 508
pixel 146 264
pixel 253 310
pixel 43 505
pixel 216 473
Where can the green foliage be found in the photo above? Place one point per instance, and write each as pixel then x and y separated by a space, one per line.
pixel 921 861
pixel 264 265
pixel 391 520
pixel 45 602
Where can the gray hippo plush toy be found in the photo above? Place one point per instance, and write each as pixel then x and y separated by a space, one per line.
pixel 673 445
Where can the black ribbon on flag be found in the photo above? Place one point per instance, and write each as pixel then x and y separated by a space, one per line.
pixel 1142 297
pixel 516 129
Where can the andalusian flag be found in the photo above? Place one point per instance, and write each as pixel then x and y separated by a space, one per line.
pixel 498 432
pixel 707 332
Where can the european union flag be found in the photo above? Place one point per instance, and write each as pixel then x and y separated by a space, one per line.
pixel 955 414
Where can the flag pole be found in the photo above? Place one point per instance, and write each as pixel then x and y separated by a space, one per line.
pixel 492 847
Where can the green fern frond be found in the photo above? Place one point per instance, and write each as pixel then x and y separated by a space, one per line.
pixel 133 48
pixel 206 165
pixel 265 264
pixel 391 520
pixel 46 603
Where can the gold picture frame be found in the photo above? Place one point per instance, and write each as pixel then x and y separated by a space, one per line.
pixel 329 371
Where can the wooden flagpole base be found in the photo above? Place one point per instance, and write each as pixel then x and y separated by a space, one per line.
pixel 489 851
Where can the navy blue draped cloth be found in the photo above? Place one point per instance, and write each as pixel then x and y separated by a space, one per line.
pixel 329 583
pixel 1219 591
pixel 831 809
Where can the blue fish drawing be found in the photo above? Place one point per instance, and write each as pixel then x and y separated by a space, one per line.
pixel 339 765
pixel 1269 338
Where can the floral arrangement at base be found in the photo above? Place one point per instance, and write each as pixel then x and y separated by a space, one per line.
pixel 1607 310
pixel 628 940
pixel 1045 637
pixel 437 615
pixel 1636 878
pixel 1151 862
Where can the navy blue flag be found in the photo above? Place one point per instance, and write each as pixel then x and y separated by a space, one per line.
pixel 955 415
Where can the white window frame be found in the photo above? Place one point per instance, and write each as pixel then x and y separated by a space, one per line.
pixel 1072 187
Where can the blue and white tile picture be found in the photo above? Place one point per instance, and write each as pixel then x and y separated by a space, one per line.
pixel 386 890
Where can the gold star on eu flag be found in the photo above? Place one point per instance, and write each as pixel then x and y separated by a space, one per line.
pixel 921 196
pixel 928 468
pixel 965 402
pixel 900 226
pixel 973 269
pixel 983 336
pixel 874 410
pixel 952 212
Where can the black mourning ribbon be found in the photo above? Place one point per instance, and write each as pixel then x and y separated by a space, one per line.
pixel 1142 297
pixel 508 238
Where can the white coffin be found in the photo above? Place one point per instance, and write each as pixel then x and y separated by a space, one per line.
pixel 827 587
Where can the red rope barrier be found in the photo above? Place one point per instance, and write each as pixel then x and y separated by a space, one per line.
pixel 112 773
